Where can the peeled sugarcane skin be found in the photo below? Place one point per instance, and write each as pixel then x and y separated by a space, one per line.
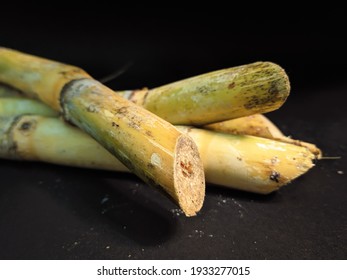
pixel 217 96
pixel 149 146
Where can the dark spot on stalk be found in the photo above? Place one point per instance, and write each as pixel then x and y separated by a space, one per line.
pixel 149 133
pixel 25 126
pixel 114 124
pixel 122 110
pixel 274 176
pixel 150 165
pixel 274 95
pixel 232 85
pixel 203 89
pixel 239 158
pixel 273 90
pixel 314 160
pixel 63 73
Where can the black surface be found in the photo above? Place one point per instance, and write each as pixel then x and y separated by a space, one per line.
pixel 55 212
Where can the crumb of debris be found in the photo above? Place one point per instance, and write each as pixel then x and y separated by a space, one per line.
pixel 105 199
pixel 198 233
pixel 142 249
pixel 124 227
pixel 75 243
pixel 210 235
pixel 107 247
pixel 340 172
pixel 224 200
pixel 129 256
pixel 176 212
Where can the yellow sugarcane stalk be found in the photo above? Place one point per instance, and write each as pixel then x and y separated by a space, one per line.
pixel 242 162
pixel 149 146
pixel 221 95
pixel 261 126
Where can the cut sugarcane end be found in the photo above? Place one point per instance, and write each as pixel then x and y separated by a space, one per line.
pixel 189 176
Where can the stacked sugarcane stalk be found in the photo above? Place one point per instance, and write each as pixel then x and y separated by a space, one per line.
pixel 219 132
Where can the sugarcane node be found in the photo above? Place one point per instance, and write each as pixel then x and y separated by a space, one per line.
pixel 8 147
pixel 62 94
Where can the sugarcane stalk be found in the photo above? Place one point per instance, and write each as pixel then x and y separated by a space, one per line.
pixel 250 163
pixel 217 96
pixel 241 162
pixel 150 147
pixel 259 125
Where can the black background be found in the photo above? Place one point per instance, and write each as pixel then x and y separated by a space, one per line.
pixel 55 212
